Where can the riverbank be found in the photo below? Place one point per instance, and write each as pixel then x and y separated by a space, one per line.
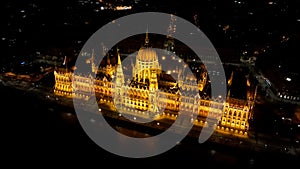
pixel 40 126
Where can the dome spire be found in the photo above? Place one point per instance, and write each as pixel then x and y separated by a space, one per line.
pixel 147 38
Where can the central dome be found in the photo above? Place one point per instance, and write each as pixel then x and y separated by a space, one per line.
pixel 147 65
pixel 146 54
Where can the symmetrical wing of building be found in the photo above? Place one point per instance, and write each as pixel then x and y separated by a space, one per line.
pixel 150 89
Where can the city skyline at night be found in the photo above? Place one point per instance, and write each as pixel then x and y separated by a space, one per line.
pixel 145 77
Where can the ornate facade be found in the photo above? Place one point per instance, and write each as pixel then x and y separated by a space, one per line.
pixel 150 90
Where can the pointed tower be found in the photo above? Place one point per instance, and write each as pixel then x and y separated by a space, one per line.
pixel 146 39
pixel 119 85
pixel 119 73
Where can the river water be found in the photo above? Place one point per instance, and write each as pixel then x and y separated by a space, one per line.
pixel 37 130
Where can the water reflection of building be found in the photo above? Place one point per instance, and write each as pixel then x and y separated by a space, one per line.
pixel 151 89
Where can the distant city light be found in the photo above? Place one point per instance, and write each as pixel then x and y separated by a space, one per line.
pixel 238 2
pixel 123 8
pixel 288 79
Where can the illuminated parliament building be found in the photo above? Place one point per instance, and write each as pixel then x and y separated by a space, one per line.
pixel 150 88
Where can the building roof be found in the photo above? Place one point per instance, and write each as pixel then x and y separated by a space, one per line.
pixel 146 54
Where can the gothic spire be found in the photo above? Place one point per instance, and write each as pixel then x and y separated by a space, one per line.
pixel 147 38
pixel 119 59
